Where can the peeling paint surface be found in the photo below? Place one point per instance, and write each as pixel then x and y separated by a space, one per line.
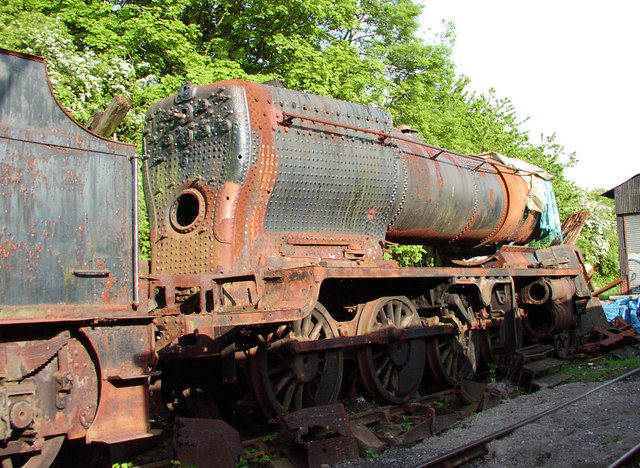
pixel 65 200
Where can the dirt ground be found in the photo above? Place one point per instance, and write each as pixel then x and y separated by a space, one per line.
pixel 592 432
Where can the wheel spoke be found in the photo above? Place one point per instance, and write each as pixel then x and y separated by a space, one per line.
pixel 288 395
pixel 299 396
pixel 406 321
pixel 394 384
pixel 315 333
pixel 445 354
pixel 397 319
pixel 306 325
pixel 383 366
pixel 449 362
pixel 386 375
pixel 282 383
pixel 390 313
pixel 278 369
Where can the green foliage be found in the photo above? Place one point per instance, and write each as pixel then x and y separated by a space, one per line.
pixel 407 255
pixel 253 457
pixel 371 454
pixel 493 370
pixel 406 423
pixel 143 221
pixel 270 437
pixel 178 464
pixel 599 240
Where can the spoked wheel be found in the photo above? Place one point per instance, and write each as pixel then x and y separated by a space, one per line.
pixel 391 372
pixel 43 459
pixel 452 358
pixel 286 382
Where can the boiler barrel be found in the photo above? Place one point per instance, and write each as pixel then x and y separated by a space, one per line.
pixel 459 200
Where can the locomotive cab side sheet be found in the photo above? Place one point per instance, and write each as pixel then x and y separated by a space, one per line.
pixel 67 198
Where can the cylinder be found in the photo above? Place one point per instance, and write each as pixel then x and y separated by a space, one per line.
pixel 549 319
pixel 454 199
pixel 548 303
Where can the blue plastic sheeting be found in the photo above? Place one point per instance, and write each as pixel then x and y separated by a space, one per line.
pixel 626 308
pixel 550 227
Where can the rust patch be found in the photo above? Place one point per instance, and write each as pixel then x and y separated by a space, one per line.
pixel 371 213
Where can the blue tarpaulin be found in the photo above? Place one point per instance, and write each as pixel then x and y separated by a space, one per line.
pixel 626 308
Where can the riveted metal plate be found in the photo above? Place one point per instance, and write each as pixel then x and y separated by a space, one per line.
pixel 332 179
pixel 198 140
pixel 206 137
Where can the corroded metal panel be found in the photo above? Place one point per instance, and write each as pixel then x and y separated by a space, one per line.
pixel 200 147
pixel 632 237
pixel 331 179
pixel 66 234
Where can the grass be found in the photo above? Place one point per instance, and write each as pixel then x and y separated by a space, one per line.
pixel 599 370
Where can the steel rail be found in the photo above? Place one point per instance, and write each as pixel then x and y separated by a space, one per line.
pixel 626 457
pixel 509 429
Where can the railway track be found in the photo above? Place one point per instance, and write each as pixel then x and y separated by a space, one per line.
pixel 473 449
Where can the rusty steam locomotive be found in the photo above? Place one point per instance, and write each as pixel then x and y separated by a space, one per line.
pixel 270 211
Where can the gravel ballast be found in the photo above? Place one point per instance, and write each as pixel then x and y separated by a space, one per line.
pixel 594 431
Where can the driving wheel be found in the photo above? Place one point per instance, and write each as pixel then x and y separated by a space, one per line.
pixel 286 382
pixel 452 358
pixel 391 372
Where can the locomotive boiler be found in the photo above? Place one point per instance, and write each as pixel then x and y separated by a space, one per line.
pixel 270 214
pixel 271 206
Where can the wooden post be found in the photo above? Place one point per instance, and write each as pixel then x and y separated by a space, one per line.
pixel 105 123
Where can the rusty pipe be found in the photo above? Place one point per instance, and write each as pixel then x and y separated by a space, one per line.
pixel 549 319
pixel 548 303
pixel 546 290
pixel 135 249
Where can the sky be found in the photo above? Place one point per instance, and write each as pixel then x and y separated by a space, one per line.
pixel 572 67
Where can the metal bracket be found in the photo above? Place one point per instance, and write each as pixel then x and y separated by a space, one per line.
pixel 17 408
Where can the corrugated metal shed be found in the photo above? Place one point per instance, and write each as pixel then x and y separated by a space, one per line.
pixel 627 198
pixel 626 195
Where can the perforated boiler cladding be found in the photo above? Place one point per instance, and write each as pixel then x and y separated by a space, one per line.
pixel 237 168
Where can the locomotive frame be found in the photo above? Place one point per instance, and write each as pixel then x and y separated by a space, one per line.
pixel 270 211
